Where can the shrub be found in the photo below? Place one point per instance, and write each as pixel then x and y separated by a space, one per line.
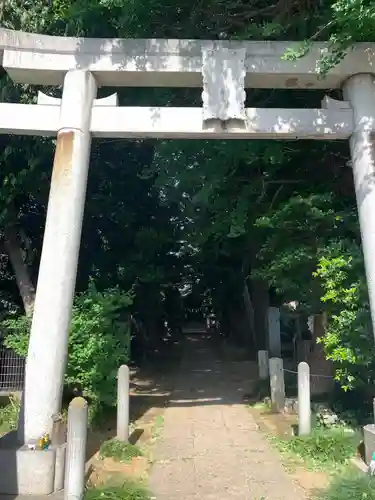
pixel 348 340
pixel 99 342
pixel 119 451
pixel 9 415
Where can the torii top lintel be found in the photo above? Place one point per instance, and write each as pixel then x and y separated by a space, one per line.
pixel 42 59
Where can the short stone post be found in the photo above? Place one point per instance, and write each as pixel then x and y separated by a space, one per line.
pixel 263 365
pixel 123 403
pixel 74 486
pixel 277 384
pixel 274 335
pixel 304 402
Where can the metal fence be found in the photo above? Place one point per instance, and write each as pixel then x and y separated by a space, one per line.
pixel 12 370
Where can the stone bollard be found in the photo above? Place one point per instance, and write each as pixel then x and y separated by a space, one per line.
pixel 304 402
pixel 74 486
pixel 123 404
pixel 277 384
pixel 263 365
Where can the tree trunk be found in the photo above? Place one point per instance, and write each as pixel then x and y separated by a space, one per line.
pixel 21 271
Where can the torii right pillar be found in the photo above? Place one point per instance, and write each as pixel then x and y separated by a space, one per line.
pixel 359 90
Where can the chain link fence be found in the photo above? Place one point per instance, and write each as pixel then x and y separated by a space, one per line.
pixel 12 371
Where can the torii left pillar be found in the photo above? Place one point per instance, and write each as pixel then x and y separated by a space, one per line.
pixel 48 346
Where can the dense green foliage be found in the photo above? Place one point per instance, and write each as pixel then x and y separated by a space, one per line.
pixel 99 342
pixel 348 341
pixel 227 218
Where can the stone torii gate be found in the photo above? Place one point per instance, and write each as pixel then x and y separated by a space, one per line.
pixel 223 69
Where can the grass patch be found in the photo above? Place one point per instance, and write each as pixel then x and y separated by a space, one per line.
pixel 323 448
pixel 119 451
pixel 351 486
pixel 128 491
pixel 9 415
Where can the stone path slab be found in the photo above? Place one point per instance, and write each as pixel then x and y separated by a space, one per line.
pixel 211 446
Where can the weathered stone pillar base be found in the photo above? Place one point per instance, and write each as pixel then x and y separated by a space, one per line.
pixel 369 439
pixel 30 472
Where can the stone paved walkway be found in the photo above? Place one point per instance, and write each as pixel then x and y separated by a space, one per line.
pixel 211 447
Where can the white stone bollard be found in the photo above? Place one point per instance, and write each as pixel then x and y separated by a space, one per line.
pixel 274 334
pixel 263 365
pixel 123 403
pixel 74 486
pixel 277 384
pixel 304 402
